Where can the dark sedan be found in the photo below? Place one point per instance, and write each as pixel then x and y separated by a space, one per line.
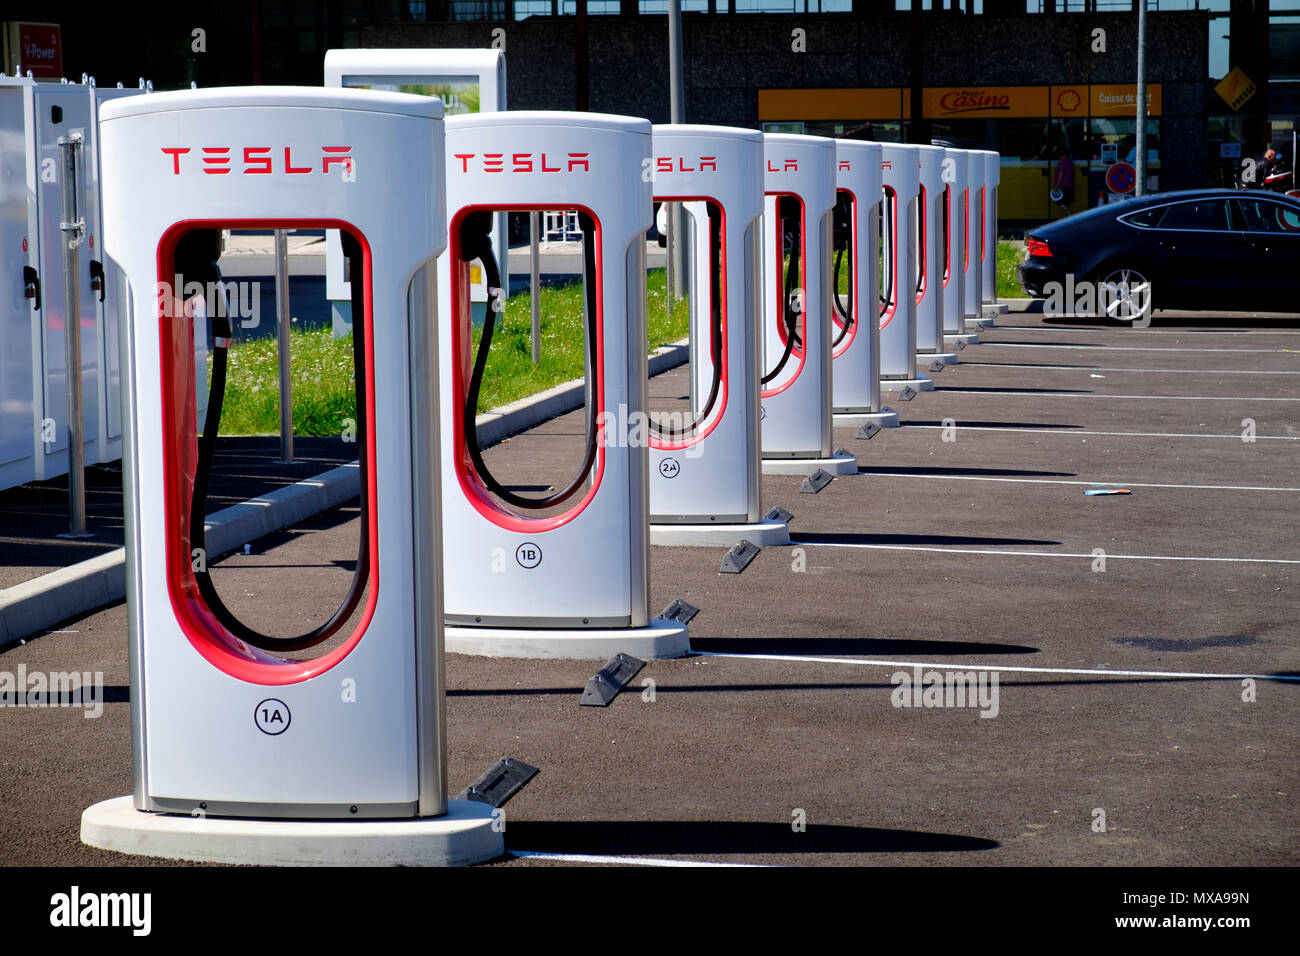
pixel 1200 249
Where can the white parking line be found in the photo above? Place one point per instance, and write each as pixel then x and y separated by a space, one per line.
pixel 1002 668
pixel 1089 368
pixel 1063 481
pixel 1145 398
pixel 1079 431
pixel 1132 331
pixel 1121 348
pixel 798 541
pixel 618 860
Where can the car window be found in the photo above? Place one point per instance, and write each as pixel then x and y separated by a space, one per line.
pixel 1265 215
pixel 1146 218
pixel 1199 214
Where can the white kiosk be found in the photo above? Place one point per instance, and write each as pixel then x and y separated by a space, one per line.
pixel 799 180
pixel 250 748
pixel 704 471
pixel 900 169
pixel 929 243
pixel 564 574
pixel 972 216
pixel 466 81
pixel 989 250
pixel 855 317
pixel 955 197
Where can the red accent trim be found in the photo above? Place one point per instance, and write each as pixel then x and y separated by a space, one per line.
pixel 965 228
pixel 289 167
pixel 857 286
pixel 780 290
pixel 250 159
pixel 922 213
pixel 891 196
pixel 983 241
pixel 476 493
pixel 213 642
pixel 948 234
pixel 720 406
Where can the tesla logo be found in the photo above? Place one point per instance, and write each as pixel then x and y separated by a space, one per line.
pixel 665 164
pixel 256 160
pixel 789 165
pixel 525 162
pixel 887 165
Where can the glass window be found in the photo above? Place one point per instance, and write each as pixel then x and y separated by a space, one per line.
pixel 1264 215
pixel 1146 218
pixel 1197 214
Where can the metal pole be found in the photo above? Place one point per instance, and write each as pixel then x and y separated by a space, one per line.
pixel 282 311
pixel 1140 165
pixel 73 228
pixel 535 282
pixel 676 277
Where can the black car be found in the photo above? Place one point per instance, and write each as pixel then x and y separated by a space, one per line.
pixel 1199 249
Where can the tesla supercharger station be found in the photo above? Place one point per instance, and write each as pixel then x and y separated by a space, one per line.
pixel 900 176
pixel 244 752
pixel 704 470
pixel 989 250
pixel 799 208
pixel 855 312
pixel 955 197
pixel 929 251
pixel 565 574
pixel 972 213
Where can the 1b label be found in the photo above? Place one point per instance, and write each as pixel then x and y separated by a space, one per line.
pixel 528 555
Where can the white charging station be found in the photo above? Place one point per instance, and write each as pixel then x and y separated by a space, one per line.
pixel 466 81
pixel 955 198
pixel 566 574
pixel 799 181
pixel 929 252
pixel 901 178
pixel 989 249
pixel 855 312
pixel 246 748
pixel 972 214
pixel 705 487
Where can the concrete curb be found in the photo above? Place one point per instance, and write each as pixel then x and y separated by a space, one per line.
pixel 33 606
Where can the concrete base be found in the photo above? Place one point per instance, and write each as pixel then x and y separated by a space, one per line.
pixel 658 639
pixel 858 419
pixel 990 309
pixel 464 835
pixel 760 533
pixel 839 465
pixel 980 323
pixel 926 358
pixel 922 383
pixel 967 339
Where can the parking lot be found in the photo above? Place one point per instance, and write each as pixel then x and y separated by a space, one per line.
pixel 1137 640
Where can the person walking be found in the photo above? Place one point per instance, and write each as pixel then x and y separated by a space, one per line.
pixel 1064 181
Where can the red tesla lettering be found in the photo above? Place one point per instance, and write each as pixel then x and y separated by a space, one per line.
pixel 255 164
pixel 708 162
pixel 791 164
pixel 215 165
pixel 844 165
pixel 464 160
pixel 175 153
pixel 340 155
pixel 664 165
pixel 682 167
pixel 886 165
pixel 548 169
pixel 579 159
pixel 523 162
pixel 494 162
pixel 289 167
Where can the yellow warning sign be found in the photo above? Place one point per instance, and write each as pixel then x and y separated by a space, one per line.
pixel 1236 88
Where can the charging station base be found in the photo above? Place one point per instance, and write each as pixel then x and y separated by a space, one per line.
pixel 922 383
pixel 837 465
pixel 461 837
pixel 947 358
pixel 951 339
pixel 762 534
pixel 991 309
pixel 858 419
pixel 658 639
pixel 982 323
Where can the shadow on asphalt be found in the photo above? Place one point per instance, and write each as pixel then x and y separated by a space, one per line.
pixel 657 837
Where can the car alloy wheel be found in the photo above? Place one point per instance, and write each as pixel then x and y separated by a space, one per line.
pixel 1125 294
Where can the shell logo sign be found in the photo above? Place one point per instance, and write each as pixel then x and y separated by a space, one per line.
pixel 1068 101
